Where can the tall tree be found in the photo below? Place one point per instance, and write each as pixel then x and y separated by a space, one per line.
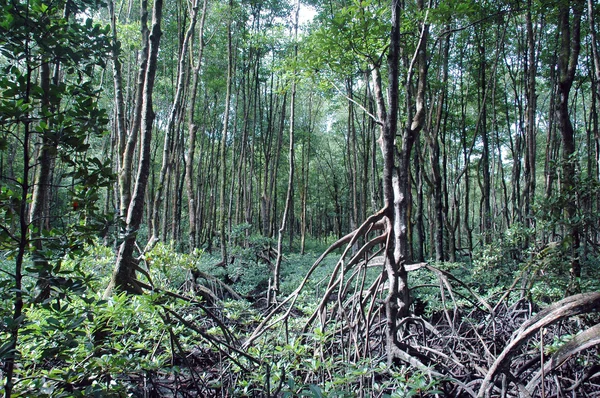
pixel 176 111
pixel 287 211
pixel 570 46
pixel 396 170
pixel 124 273
pixel 224 134
pixel 192 135
pixel 49 115
pixel 530 138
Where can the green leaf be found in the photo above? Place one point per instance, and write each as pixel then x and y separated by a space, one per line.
pixel 316 390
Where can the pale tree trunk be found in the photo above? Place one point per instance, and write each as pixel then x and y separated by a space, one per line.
pixel 176 109
pixel 223 166
pixel 38 215
pixel 192 133
pixel 128 144
pixel 288 200
pixel 124 274
pixel 119 101
pixel 396 177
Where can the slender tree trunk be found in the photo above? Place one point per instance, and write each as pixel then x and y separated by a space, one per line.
pixel 40 196
pixel 23 241
pixel 223 166
pixel 486 211
pixel 124 274
pixel 192 133
pixel 127 156
pixel 305 177
pixel 434 158
pixel 530 138
pixel 119 101
pixel 419 244
pixel 552 140
pixel 170 129
pixel 596 85
pixel 570 44
pixel 351 159
pixel 288 200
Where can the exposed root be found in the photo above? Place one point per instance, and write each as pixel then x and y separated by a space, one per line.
pixel 473 347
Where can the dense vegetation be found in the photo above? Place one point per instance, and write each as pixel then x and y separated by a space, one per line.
pixel 316 198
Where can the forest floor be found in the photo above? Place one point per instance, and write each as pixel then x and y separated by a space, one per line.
pixel 208 331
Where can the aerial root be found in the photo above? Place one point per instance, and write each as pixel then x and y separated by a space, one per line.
pixel 470 348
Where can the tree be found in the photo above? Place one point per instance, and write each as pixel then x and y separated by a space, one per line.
pixel 288 211
pixel 124 274
pixel 183 72
pixel 393 218
pixel 570 45
pixel 224 135
pixel 192 134
pixel 50 117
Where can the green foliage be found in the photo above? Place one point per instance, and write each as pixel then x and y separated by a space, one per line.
pixel 49 53
pixel 85 346
pixel 301 366
pixel 496 265
pixel 169 268
pixel 581 195
pixel 77 344
pixel 352 37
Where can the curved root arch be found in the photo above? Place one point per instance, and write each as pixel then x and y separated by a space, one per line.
pixel 475 347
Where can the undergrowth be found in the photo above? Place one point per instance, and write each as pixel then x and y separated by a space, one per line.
pixel 77 344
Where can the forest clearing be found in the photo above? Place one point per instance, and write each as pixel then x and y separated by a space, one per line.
pixel 316 198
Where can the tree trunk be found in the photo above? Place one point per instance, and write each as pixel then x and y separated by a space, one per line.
pixel 570 44
pixel 288 200
pixel 305 176
pixel 42 183
pixel 223 166
pixel 129 143
pixel 396 178
pixel 486 211
pixel 596 85
pixel 530 138
pixel 192 133
pixel 434 157
pixel 124 274
pixel 182 73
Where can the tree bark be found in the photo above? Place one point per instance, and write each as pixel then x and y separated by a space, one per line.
pixel 223 157
pixel 129 143
pixel 288 199
pixel 124 274
pixel 192 133
pixel 530 137
pixel 570 45
pixel 182 73
pixel 396 177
